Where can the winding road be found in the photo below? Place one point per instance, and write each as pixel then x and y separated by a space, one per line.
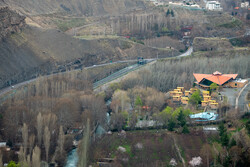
pixel 101 82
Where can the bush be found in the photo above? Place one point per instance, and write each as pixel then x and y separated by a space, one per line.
pixel 195 98
pixel 13 164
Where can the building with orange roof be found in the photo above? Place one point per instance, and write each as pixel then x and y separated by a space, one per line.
pixel 205 80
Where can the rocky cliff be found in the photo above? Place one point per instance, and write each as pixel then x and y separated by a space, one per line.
pixel 10 22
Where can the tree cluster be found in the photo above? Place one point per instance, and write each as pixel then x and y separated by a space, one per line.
pixel 169 74
pixel 43 115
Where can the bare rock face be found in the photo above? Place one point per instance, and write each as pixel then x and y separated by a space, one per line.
pixel 10 22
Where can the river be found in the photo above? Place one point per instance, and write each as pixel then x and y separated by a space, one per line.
pixel 72 158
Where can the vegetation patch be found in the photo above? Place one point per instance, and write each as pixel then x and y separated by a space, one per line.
pixel 67 24
pixel 234 23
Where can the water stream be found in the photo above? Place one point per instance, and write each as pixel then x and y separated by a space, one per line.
pixel 72 158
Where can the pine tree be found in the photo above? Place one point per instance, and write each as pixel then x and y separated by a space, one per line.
pixel 171 125
pixel 172 13
pixel 185 129
pixel 168 12
pixel 181 118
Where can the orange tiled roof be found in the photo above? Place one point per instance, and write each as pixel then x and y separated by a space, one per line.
pixel 216 77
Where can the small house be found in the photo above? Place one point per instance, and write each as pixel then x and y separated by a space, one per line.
pixel 178 93
pixel 177 90
pixel 205 93
pixel 3 144
pixel 181 88
pixel 206 98
pixel 214 105
pixel 187 93
pixel 172 93
pixel 212 101
pixel 238 83
pixel 176 98
pixel 184 100
pixel 204 103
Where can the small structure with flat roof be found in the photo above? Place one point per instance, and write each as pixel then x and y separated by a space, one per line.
pixel 187 92
pixel 176 98
pixel 207 98
pixel 181 88
pixel 204 103
pixel 214 105
pixel 184 100
pixel 204 116
pixel 205 93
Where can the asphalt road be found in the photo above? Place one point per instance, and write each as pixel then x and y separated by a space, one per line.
pixel 187 53
pixel 98 83
pixel 117 74
pixel 242 99
pixel 129 69
pixel 231 95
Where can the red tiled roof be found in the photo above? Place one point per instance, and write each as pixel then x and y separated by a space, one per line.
pixel 216 77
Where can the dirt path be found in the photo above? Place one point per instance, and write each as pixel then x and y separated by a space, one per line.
pixel 179 153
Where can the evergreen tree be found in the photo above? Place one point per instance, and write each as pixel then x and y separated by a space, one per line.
pixel 232 143
pixel 168 12
pixel 171 125
pixel 172 13
pixel 185 129
pixel 224 139
pixel 181 118
pixel 222 129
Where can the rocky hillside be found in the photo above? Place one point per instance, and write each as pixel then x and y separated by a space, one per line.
pixel 79 7
pixel 10 22
pixel 28 51
pixel 211 44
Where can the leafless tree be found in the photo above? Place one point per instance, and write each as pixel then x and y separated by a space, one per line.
pixel 25 137
pixel 46 141
pixel 61 140
pixel 31 143
pixel 206 152
pixel 84 146
pixel 39 128
pixel 1 159
pixel 36 157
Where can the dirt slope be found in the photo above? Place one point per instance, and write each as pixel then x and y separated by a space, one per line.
pixel 79 7
pixel 23 55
